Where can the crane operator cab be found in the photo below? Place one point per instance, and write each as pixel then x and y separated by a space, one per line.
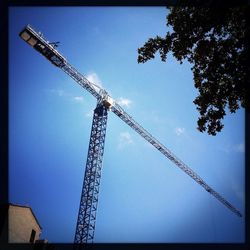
pixel 37 41
pixel 108 102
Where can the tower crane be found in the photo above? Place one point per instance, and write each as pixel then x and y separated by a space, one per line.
pixel 85 226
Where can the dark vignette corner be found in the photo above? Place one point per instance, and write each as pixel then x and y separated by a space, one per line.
pixel 4 123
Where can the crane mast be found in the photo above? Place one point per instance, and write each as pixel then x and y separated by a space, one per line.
pixel 85 226
pixel 89 198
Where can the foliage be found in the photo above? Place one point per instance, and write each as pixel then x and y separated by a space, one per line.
pixel 214 41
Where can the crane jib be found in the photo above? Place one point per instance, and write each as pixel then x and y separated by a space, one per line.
pixel 146 135
pixel 40 44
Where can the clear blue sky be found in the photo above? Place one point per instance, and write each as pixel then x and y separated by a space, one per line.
pixel 143 196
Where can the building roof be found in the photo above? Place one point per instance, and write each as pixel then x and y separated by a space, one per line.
pixel 25 206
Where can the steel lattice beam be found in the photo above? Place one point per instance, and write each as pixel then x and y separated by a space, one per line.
pixel 85 227
pixel 117 109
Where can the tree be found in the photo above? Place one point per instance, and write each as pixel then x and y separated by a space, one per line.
pixel 213 39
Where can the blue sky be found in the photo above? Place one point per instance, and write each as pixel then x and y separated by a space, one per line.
pixel 143 196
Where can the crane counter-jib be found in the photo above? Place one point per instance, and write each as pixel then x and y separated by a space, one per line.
pixel 37 41
pixel 40 44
